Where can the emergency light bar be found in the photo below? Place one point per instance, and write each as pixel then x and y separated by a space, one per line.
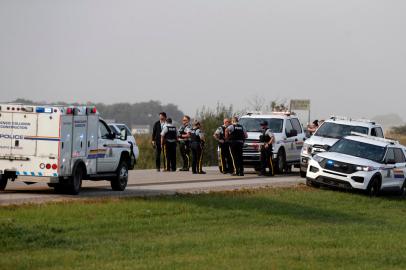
pixel 43 110
pixel 374 138
pixel 334 118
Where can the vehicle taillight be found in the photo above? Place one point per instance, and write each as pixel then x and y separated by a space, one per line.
pixel 42 166
pixel 69 111
pixel 48 166
pixel 54 166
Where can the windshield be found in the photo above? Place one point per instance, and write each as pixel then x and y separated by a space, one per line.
pixel 254 124
pixel 121 127
pixel 359 149
pixel 337 131
pixel 114 129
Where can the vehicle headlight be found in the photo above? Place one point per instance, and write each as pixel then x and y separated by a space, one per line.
pixel 318 158
pixel 307 149
pixel 365 168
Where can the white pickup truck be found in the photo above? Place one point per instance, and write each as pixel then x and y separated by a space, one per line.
pixel 60 146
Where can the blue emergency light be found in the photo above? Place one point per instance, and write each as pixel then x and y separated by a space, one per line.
pixel 43 110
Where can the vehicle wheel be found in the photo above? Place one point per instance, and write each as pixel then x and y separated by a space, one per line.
pixel 402 191
pixel 310 183
pixel 281 161
pixel 119 183
pixel 3 182
pixel 373 187
pixel 75 182
pixel 303 174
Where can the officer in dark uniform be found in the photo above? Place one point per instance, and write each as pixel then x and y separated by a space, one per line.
pixel 225 161
pixel 197 143
pixel 156 140
pixel 236 134
pixel 184 142
pixel 267 138
pixel 169 137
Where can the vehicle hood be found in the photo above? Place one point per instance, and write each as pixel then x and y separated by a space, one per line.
pixel 255 135
pixel 321 140
pixel 348 159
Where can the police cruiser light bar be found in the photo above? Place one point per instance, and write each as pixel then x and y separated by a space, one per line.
pixel 374 138
pixel 344 118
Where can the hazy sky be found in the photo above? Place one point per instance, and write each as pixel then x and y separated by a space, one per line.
pixel 347 56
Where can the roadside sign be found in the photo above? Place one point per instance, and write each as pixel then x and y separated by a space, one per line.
pixel 300 104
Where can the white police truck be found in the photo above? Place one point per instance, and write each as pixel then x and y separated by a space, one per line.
pixel 361 162
pixel 331 131
pixel 289 139
pixel 60 146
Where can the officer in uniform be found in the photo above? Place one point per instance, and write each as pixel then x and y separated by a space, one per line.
pixel 169 137
pixel 197 143
pixel 267 139
pixel 225 161
pixel 236 134
pixel 184 142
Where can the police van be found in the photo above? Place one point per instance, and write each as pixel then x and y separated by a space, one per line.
pixel 289 139
pixel 60 146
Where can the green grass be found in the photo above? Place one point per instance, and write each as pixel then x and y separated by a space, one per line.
pixel 296 228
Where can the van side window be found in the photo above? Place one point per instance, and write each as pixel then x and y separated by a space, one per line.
pixel 399 156
pixel 377 132
pixel 296 125
pixel 103 131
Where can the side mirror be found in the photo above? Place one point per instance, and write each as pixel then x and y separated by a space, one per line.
pixel 391 161
pixel 123 135
pixel 326 147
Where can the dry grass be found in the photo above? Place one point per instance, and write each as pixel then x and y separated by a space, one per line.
pixel 399 137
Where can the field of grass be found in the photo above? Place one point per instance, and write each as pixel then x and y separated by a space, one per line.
pixel 290 228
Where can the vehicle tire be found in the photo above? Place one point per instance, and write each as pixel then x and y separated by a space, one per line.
pixel 373 187
pixel 281 161
pixel 3 182
pixel 119 183
pixel 402 191
pixel 310 183
pixel 75 182
pixel 303 174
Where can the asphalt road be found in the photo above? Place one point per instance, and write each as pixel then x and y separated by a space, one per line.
pixel 147 183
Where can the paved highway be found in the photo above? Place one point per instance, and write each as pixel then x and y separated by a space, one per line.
pixel 147 183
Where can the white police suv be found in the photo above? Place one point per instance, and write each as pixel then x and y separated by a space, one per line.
pixel 360 162
pixel 289 139
pixel 331 131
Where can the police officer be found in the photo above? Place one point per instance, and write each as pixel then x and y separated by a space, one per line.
pixel 184 142
pixel 236 134
pixel 267 138
pixel 197 143
pixel 156 140
pixel 225 161
pixel 169 137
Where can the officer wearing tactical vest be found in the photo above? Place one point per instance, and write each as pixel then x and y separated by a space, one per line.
pixel 197 142
pixel 169 137
pixel 184 142
pixel 267 139
pixel 236 134
pixel 225 161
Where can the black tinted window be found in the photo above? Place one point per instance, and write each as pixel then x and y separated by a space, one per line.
pixel 390 155
pixel 337 131
pixel 296 125
pixel 377 132
pixel 399 156
pixel 359 149
pixel 289 127
pixel 104 131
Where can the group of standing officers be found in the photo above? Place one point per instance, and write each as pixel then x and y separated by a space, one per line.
pixel 165 138
pixel 230 136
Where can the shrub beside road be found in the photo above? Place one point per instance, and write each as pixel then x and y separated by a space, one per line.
pixel 283 228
